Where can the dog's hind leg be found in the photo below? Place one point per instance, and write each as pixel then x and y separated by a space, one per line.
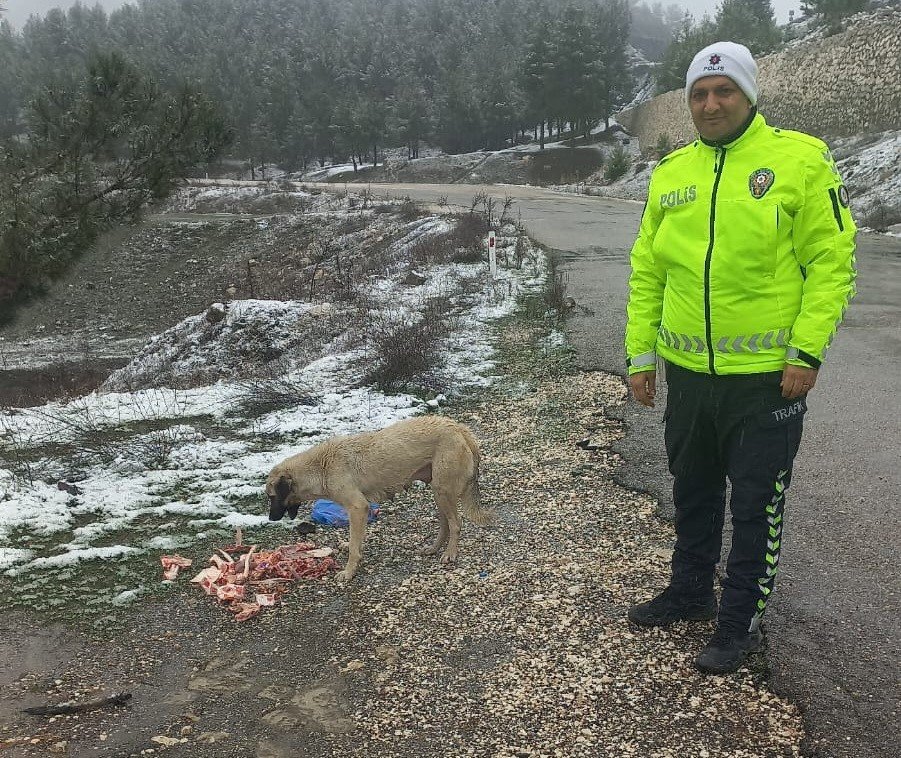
pixel 447 508
pixel 358 511
pixel 452 463
pixel 443 532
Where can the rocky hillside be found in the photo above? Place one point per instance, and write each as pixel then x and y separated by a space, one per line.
pixel 831 86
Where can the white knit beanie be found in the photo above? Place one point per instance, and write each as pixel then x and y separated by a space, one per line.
pixel 724 59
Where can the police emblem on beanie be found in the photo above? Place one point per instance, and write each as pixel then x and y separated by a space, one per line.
pixel 760 182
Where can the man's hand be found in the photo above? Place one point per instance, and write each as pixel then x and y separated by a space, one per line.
pixel 797 380
pixel 644 387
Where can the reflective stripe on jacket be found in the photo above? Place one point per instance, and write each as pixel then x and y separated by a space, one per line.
pixel 745 256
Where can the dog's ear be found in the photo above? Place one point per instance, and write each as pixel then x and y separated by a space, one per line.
pixel 283 487
pixel 278 491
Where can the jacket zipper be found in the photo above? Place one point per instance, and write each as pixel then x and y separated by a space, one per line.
pixel 721 154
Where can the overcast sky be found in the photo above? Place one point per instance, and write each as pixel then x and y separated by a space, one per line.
pixel 19 10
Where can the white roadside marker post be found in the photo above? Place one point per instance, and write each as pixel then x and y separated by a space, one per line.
pixel 492 254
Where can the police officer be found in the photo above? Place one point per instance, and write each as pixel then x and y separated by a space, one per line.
pixel 741 272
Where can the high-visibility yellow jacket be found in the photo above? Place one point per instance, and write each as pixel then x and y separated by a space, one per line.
pixel 745 256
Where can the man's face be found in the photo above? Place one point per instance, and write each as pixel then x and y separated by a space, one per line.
pixel 718 106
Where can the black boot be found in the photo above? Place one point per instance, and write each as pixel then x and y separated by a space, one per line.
pixel 727 650
pixel 673 605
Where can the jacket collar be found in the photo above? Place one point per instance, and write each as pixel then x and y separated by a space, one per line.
pixel 754 123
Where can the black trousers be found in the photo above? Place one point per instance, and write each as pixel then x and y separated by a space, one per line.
pixel 742 428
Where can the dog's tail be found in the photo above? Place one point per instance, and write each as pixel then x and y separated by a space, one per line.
pixel 472 504
pixel 472 497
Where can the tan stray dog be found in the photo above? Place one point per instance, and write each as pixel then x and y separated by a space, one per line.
pixel 372 467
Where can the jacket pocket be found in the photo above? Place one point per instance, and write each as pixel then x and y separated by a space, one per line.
pixel 747 233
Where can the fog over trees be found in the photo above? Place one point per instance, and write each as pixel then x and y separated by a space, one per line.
pixel 315 80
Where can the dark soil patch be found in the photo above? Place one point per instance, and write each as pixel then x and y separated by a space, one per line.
pixel 21 388
pixel 563 166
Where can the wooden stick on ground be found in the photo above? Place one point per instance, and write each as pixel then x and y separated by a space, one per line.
pixel 119 698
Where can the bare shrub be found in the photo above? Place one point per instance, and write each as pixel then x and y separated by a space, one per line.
pixel 408 211
pixel 432 249
pixel 617 165
pixel 478 199
pixel 376 255
pixel 468 237
pixel 154 448
pixel 505 210
pixel 257 397
pixel 144 432
pixel 14 451
pixel 353 224
pixel 407 346
pixel 263 203
pixel 465 243
pixel 490 204
pixel 881 216
pixel 554 293
pixel 521 251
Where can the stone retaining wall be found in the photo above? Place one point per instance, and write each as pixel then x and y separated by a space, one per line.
pixel 848 83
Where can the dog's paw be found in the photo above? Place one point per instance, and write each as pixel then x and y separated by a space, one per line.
pixel 429 550
pixel 449 556
pixel 343 577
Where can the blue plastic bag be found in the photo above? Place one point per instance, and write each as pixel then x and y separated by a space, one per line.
pixel 328 512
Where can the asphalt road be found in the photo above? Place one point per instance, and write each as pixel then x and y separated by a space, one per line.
pixel 833 626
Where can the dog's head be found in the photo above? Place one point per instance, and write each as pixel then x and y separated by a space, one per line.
pixel 282 494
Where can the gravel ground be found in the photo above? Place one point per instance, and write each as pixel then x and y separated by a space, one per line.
pixel 521 649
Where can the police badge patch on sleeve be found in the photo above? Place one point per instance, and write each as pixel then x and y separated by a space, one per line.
pixel 760 182
pixel 843 196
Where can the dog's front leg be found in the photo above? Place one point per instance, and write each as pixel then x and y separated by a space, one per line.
pixel 358 511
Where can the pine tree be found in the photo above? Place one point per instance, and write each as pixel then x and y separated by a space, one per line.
pixel 464 73
pixel 9 81
pixel 577 78
pixel 613 27
pixel 832 11
pixel 688 39
pixel 92 157
pixel 537 75
pixel 408 120
pixel 749 22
